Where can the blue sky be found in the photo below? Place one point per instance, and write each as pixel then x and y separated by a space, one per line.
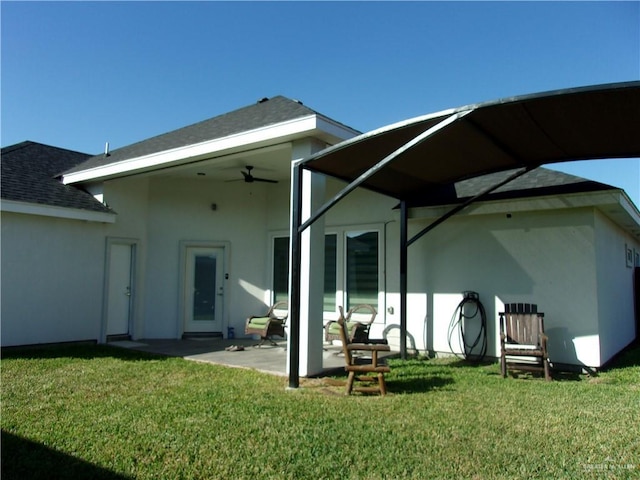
pixel 79 74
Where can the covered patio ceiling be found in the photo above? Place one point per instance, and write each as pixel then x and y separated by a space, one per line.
pixel 414 159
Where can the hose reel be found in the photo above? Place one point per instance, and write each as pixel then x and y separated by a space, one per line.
pixel 468 316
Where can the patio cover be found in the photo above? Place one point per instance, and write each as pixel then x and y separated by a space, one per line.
pixel 412 160
pixel 575 124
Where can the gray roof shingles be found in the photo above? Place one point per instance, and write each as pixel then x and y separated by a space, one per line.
pixel 28 168
pixel 539 182
pixel 28 174
pixel 261 114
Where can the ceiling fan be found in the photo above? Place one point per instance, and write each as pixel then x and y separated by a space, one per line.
pixel 248 178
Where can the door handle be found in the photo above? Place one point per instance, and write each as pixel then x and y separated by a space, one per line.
pixel 127 291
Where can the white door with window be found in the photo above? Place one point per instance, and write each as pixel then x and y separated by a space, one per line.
pixel 119 290
pixel 204 290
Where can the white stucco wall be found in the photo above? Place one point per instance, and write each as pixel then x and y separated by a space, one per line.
pixel 52 273
pixel 546 258
pixel 129 198
pixel 179 211
pixel 571 262
pixel 616 313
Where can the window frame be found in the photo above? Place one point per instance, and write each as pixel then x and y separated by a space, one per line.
pixel 341 294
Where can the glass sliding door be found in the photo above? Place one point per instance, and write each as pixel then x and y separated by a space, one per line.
pixel 351 269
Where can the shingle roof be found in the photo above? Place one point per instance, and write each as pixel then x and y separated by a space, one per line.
pixel 28 175
pixel 262 114
pixel 539 182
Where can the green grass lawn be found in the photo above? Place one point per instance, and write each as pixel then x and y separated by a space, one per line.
pixel 104 413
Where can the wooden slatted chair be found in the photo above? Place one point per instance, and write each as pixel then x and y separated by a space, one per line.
pixel 270 324
pixel 371 372
pixel 358 325
pixel 523 343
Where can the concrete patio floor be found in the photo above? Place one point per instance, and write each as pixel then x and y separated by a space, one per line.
pixel 266 358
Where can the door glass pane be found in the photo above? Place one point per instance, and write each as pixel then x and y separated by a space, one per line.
pixel 204 282
pixel 330 274
pixel 362 268
pixel 280 269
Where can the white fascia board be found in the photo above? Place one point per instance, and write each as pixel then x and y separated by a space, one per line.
pixel 629 207
pixel 26 208
pixel 336 131
pixel 614 204
pixel 311 124
pixel 608 198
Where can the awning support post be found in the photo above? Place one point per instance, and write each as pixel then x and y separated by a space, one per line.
pixel 294 287
pixel 403 279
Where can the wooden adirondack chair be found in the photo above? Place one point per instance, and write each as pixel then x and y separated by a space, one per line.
pixel 270 324
pixel 369 372
pixel 523 343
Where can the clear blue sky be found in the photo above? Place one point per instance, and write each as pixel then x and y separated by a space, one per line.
pixel 79 74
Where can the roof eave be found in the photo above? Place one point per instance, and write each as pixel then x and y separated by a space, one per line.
pixel 309 126
pixel 613 203
pixel 28 208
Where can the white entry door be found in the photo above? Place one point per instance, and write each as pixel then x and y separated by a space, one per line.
pixel 119 289
pixel 204 290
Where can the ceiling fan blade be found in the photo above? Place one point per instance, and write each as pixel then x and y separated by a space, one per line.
pixel 266 180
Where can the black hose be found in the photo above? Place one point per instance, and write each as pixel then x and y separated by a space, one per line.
pixel 457 324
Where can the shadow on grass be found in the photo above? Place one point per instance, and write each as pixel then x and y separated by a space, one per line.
pixel 418 375
pixel 81 351
pixel 407 385
pixel 22 459
pixel 462 363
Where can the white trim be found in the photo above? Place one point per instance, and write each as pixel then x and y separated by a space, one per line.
pixel 549 202
pixel 272 133
pixel 614 204
pixel 269 296
pixel 58 212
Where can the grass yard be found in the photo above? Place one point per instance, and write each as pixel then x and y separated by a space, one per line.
pixel 105 413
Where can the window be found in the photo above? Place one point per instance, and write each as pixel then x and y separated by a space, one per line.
pixel 280 269
pixel 351 268
pixel 330 272
pixel 362 268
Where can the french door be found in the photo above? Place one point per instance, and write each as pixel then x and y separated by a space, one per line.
pixel 204 290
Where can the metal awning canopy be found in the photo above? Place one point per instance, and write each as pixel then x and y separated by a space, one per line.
pixel 413 159
pixel 443 148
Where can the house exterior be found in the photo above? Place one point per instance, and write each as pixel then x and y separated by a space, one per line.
pixel 52 248
pixel 186 234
